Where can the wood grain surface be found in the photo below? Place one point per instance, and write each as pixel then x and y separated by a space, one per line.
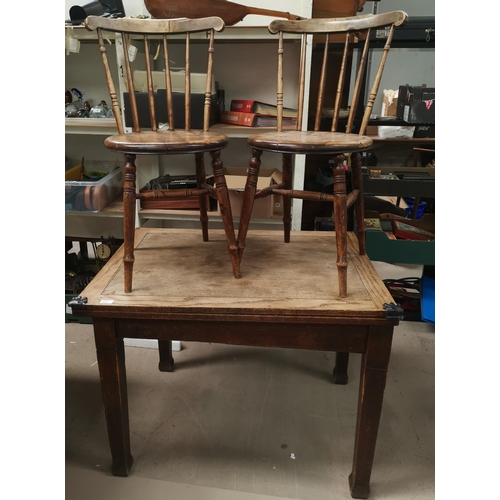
pixel 175 272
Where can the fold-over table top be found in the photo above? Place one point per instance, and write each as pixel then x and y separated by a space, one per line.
pixel 176 273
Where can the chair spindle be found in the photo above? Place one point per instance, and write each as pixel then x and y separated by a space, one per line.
pixel 322 82
pixel 149 80
pixel 109 80
pixel 168 85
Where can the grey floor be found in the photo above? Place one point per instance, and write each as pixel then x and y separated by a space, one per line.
pixel 248 423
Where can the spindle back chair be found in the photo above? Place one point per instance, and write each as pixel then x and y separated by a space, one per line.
pixel 354 32
pixel 157 141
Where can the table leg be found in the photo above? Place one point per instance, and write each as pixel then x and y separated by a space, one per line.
pixel 374 364
pixel 111 361
pixel 166 363
pixel 340 370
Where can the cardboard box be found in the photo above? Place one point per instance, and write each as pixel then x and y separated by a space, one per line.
pixel 416 104
pixel 389 103
pixel 265 208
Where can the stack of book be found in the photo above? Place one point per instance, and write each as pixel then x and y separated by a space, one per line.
pixel 251 113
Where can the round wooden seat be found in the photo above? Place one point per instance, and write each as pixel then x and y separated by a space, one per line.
pixel 166 142
pixel 292 141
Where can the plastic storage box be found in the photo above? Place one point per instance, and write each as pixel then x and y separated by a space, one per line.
pixel 92 196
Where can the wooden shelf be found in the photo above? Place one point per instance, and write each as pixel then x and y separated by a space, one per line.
pixel 238 131
pixel 241 34
pixel 409 140
pixel 115 209
pixel 91 126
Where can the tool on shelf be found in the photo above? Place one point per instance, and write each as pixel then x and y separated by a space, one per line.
pixel 230 12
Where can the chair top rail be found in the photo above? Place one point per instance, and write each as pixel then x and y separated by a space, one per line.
pixel 154 26
pixel 339 24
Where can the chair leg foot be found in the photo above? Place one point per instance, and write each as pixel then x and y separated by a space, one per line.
pixel 235 261
pixel 128 267
pixel 342 272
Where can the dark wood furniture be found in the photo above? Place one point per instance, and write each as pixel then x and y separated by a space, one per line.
pixel 316 142
pixel 154 141
pixel 189 300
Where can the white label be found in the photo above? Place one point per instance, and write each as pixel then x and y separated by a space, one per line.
pixel 73 45
pixel 106 301
pixel 132 52
pixel 406 113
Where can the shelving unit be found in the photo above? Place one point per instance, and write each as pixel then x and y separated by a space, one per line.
pixel 90 133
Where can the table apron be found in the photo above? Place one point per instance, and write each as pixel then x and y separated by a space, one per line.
pixel 322 337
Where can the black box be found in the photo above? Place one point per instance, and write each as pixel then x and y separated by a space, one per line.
pixel 425 131
pixel 416 104
pixel 417 32
pixel 160 97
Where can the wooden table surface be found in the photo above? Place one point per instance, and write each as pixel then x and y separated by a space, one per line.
pixel 184 289
pixel 175 271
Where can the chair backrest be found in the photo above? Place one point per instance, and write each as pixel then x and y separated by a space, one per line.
pixel 150 30
pixel 353 32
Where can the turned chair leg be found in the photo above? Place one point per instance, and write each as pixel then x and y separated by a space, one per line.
pixel 201 179
pixel 287 200
pixel 225 210
pixel 340 214
pixel 248 199
pixel 129 206
pixel 359 204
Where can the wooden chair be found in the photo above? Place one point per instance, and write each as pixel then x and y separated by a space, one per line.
pixel 313 142
pixel 153 141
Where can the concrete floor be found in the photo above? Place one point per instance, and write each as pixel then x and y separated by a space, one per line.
pixel 249 423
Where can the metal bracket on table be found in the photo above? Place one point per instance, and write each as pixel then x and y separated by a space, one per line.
pixel 394 311
pixel 77 301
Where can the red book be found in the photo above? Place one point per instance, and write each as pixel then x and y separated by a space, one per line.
pixel 237 118
pixel 259 107
pixel 252 119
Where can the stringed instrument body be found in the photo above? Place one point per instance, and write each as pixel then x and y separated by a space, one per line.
pixel 230 12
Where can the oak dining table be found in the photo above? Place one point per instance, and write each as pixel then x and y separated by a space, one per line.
pixel 287 298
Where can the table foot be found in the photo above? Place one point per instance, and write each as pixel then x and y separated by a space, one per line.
pixel 340 371
pixel 166 363
pixel 359 490
pixel 122 469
